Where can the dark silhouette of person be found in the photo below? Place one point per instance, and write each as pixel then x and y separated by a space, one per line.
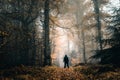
pixel 66 61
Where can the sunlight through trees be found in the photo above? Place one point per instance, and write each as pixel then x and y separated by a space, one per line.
pixel 41 32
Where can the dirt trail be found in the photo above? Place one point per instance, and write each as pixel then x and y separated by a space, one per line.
pixel 66 74
pixel 56 73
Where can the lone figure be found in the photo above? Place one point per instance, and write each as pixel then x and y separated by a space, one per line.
pixel 66 61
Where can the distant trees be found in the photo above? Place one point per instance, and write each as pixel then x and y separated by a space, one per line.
pixel 19 40
pixel 93 24
pixel 111 55
pixel 17 18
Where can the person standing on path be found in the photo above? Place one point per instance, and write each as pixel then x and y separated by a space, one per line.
pixel 66 61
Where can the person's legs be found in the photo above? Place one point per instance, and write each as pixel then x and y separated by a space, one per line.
pixel 64 65
pixel 67 65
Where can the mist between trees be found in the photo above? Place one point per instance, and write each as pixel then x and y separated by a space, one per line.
pixel 41 32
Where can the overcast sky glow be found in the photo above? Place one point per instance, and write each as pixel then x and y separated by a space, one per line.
pixel 115 2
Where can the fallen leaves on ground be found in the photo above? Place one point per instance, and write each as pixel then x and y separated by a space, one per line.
pixel 56 73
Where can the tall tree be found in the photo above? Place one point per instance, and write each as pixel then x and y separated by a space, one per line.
pixel 111 55
pixel 98 22
pixel 47 51
pixel 84 49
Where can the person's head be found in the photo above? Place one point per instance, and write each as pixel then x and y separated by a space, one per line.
pixel 65 55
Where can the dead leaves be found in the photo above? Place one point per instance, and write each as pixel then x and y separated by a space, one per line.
pixel 56 73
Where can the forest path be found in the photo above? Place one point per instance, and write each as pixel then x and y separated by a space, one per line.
pixel 40 73
pixel 56 73
pixel 66 74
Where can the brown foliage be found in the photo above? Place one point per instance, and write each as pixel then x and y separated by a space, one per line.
pixel 86 72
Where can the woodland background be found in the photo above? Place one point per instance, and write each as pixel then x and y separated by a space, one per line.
pixel 36 34
pixel 41 32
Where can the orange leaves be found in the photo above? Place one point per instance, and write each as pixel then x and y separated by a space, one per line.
pixel 56 73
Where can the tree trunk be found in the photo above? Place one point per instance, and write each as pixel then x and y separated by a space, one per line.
pixel 25 44
pixel 98 24
pixel 83 43
pixel 47 51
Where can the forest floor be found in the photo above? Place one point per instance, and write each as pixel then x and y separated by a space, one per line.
pixel 85 72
